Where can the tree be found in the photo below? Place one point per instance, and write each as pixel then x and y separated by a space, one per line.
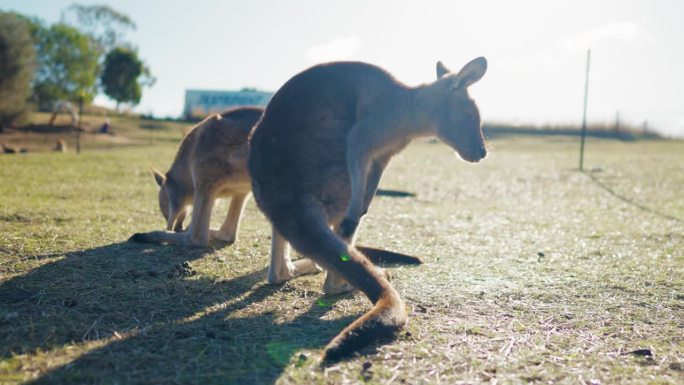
pixel 124 75
pixel 103 24
pixel 17 65
pixel 68 64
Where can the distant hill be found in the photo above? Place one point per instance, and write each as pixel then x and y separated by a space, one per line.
pixel 494 130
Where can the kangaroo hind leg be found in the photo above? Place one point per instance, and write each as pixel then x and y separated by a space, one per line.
pixel 282 268
pixel 310 235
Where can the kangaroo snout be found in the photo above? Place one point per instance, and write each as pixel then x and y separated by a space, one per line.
pixel 483 153
pixel 473 155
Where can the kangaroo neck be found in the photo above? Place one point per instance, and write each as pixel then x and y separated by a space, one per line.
pixel 414 114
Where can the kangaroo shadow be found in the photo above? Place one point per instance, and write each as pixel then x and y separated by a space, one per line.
pixel 153 321
pixel 222 346
pixel 394 193
pixel 55 303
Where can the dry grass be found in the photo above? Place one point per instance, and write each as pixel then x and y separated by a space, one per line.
pixel 39 136
pixel 534 273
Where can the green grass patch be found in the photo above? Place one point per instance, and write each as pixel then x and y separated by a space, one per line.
pixel 534 273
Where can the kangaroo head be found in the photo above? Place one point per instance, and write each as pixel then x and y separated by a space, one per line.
pixel 163 192
pixel 459 122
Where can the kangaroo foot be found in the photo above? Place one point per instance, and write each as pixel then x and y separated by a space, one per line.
pixel 291 270
pixel 334 284
pixel 217 235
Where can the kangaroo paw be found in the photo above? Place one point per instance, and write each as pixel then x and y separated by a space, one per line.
pixel 278 275
pixel 383 321
pixel 335 284
pixel 292 270
pixel 329 289
pixel 305 266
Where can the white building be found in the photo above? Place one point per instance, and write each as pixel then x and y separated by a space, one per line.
pixel 200 103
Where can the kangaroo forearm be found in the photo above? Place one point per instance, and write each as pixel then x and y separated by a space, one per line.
pixel 373 181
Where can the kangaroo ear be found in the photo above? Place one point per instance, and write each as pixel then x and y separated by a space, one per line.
pixel 472 72
pixel 441 69
pixel 158 177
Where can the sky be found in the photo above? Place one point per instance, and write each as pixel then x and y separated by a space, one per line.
pixel 536 50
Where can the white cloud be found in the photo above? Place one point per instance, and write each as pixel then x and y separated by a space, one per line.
pixel 626 32
pixel 342 48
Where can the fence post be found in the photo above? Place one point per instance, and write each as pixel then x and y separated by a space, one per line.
pixel 584 115
pixel 78 126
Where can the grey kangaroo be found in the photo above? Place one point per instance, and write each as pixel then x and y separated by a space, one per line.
pixel 317 155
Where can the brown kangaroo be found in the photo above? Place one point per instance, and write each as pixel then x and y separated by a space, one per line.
pixel 211 163
pixel 318 153
pixel 61 145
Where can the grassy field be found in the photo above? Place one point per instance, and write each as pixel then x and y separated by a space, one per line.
pixel 534 273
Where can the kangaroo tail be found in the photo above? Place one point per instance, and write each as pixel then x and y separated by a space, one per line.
pixel 165 237
pixel 386 256
pixel 151 237
pixel 310 235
